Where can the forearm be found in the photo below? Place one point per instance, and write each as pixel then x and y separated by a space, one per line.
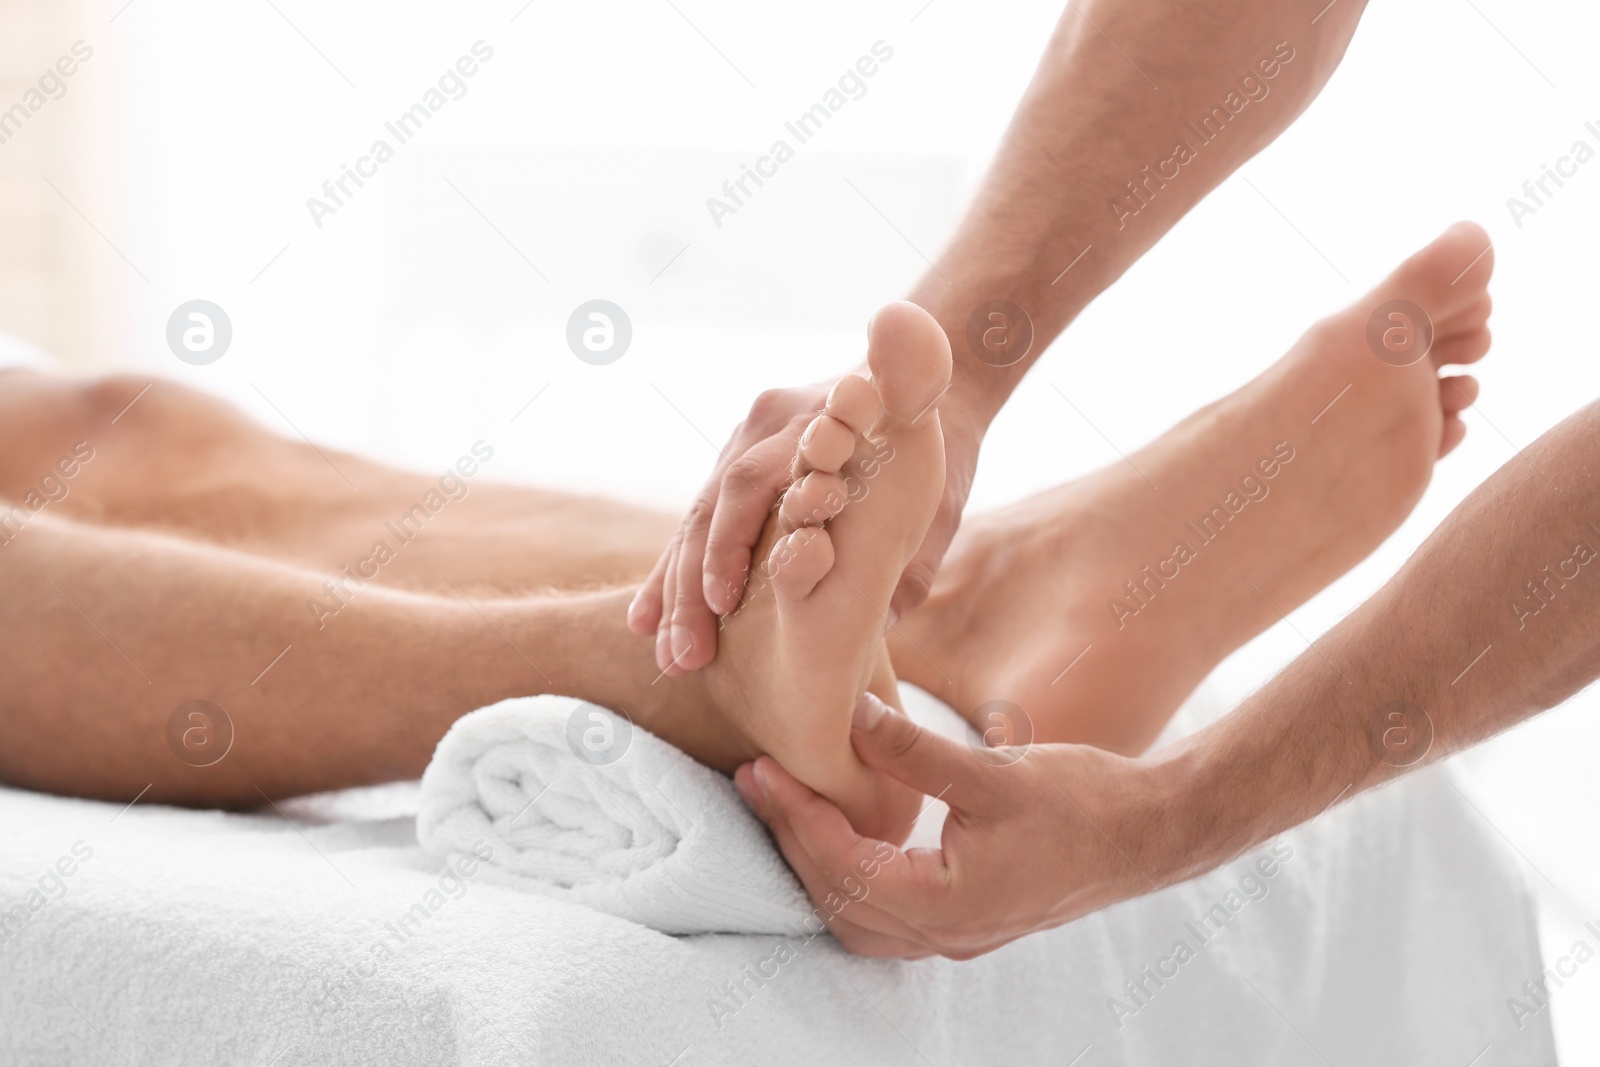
pixel 1492 621
pixel 1089 175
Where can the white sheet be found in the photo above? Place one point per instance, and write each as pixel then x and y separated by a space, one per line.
pixel 15 352
pixel 1393 934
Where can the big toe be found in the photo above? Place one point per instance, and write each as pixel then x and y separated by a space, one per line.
pixel 910 359
pixel 1446 277
pixel 1435 304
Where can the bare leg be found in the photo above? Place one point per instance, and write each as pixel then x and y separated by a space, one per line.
pixel 107 632
pixel 111 630
pixel 1024 592
pixel 170 459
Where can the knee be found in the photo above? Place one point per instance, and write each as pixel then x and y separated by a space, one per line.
pixel 142 406
pixel 97 402
pixel 54 404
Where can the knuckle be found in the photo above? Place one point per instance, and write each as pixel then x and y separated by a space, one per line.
pixel 915 585
pixel 698 516
pixel 684 601
pixel 905 738
pixel 771 405
pixel 745 475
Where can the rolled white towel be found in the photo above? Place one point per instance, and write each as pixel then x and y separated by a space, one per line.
pixel 581 805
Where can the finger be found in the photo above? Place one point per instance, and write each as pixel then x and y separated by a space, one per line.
pixel 644 613
pixel 748 490
pixel 860 912
pixel 921 759
pixel 911 886
pixel 871 943
pixel 669 593
pixel 858 915
pixel 693 624
pixel 917 580
pixel 650 602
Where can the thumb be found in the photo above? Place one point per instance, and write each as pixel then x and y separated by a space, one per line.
pixel 915 585
pixel 927 762
pixel 917 580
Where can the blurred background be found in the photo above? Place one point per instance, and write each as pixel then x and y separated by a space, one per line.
pixel 430 308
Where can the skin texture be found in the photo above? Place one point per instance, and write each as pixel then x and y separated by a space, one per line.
pixel 163 579
pixel 798 658
pixel 1313 422
pixel 1506 570
pixel 1054 223
pixel 183 558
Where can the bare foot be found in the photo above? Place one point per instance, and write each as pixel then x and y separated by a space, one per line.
pixel 1099 606
pixel 795 659
pixel 798 655
pixel 800 652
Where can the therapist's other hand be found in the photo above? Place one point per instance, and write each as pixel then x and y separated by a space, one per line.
pixel 703 572
pixel 1028 845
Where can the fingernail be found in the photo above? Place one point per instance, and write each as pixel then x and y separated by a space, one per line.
pixel 763 782
pixel 742 789
pixel 681 642
pixel 869 712
pixel 635 608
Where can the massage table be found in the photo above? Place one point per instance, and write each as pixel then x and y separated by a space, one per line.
pixel 1391 930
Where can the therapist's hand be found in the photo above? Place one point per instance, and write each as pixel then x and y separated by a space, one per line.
pixel 703 571
pixel 1028 845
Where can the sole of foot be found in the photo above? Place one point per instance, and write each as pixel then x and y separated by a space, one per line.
pixel 808 641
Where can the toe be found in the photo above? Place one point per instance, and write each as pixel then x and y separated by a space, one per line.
pixel 1468 257
pixel 1457 394
pixel 853 402
pixel 826 444
pixel 1474 315
pixel 1447 279
pixel 813 500
pixel 799 561
pixel 1462 348
pixel 1454 430
pixel 910 360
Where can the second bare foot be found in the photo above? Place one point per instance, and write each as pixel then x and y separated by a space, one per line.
pixel 1099 606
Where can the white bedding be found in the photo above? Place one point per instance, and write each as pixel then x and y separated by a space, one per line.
pixel 15 352
pixel 1391 931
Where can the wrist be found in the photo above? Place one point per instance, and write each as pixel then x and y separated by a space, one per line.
pixel 1001 316
pixel 980 383
pixel 1196 819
